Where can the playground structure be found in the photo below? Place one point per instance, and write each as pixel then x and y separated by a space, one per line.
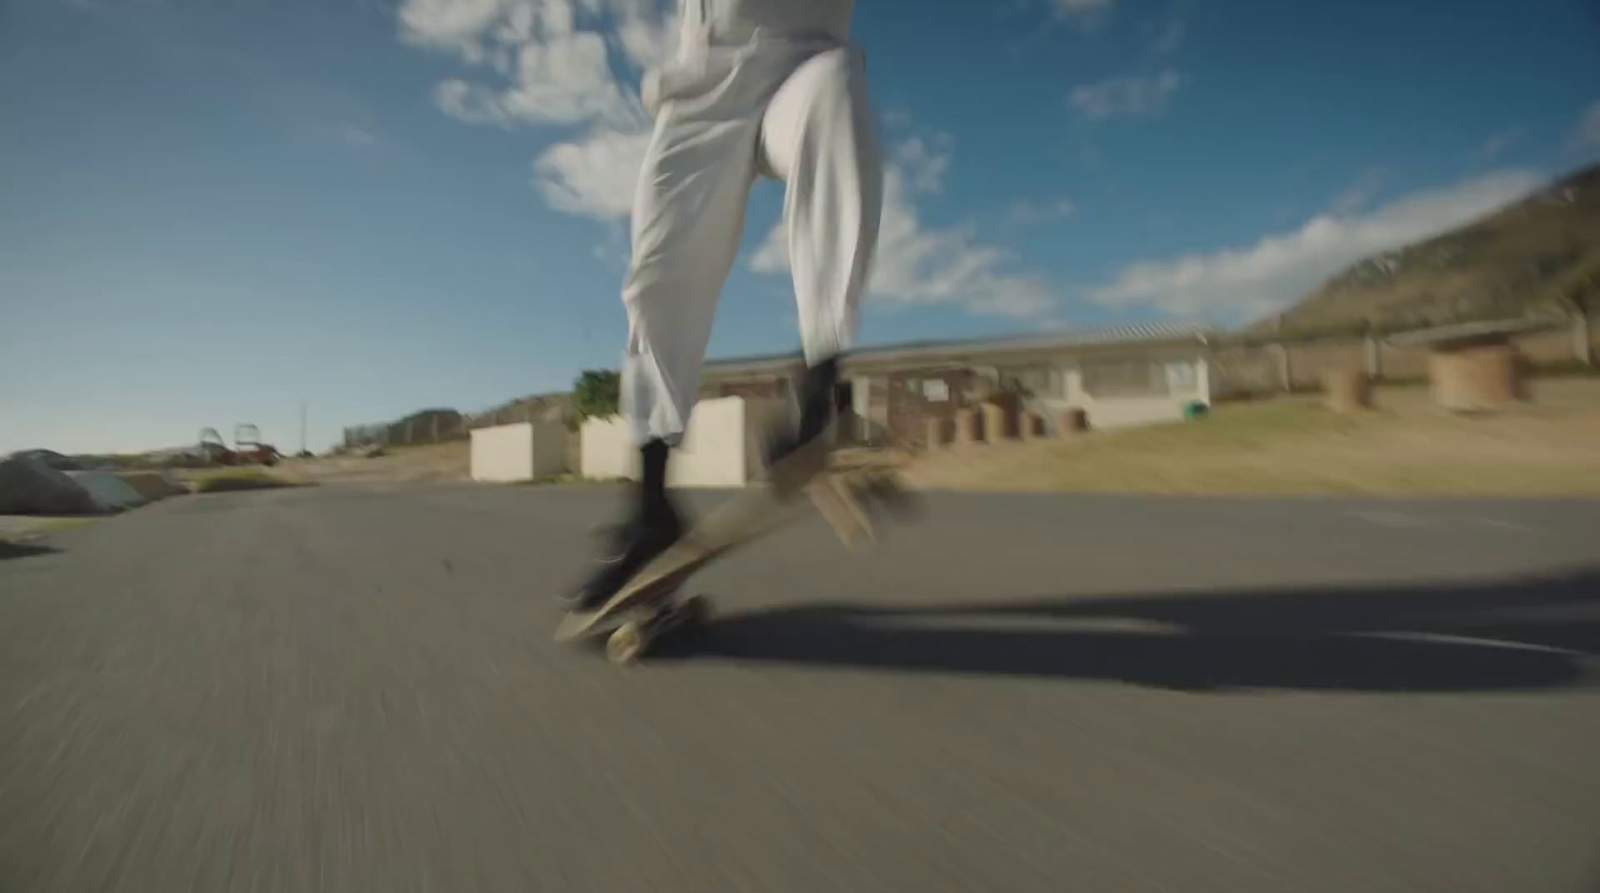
pixel 247 447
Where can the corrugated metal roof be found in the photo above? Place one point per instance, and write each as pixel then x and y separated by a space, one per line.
pixel 1133 334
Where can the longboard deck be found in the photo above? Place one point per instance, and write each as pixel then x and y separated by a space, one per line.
pixel 750 515
pixel 758 510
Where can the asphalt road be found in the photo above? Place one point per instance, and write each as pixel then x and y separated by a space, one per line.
pixel 356 690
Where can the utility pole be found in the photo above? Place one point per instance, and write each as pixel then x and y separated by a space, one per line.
pixel 302 426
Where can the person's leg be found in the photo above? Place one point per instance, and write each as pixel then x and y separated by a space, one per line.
pixel 688 216
pixel 818 136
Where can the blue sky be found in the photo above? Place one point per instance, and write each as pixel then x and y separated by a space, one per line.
pixel 211 210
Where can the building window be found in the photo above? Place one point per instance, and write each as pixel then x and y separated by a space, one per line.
pixel 1127 377
pixel 935 390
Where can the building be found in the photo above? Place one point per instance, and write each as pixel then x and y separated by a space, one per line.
pixel 1117 377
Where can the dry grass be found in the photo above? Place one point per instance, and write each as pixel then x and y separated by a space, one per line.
pixel 241 479
pixel 449 461
pixel 22 528
pixel 1550 447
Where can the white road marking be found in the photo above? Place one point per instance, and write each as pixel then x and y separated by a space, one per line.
pixel 1498 524
pixel 1448 639
pixel 1392 519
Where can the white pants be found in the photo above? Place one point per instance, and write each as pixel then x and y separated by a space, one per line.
pixel 793 111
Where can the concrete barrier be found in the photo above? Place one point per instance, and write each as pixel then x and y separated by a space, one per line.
pixel 1032 426
pixel 152 485
pixel 525 451
pixel 721 448
pixel 1346 390
pixel 1074 421
pixel 998 423
pixel 969 426
pixel 1476 378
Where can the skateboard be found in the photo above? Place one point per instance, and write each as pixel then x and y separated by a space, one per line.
pixel 757 511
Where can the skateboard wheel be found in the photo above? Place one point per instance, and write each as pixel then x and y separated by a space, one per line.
pixel 695 611
pixel 626 644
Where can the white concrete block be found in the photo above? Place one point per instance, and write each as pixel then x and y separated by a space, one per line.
pixel 721 448
pixel 521 452
pixel 606 449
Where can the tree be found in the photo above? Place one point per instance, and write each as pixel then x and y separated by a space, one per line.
pixel 596 394
pixel 1576 294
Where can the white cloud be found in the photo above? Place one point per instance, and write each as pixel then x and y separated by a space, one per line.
pixel 923 165
pixel 1079 8
pixel 471 103
pixel 358 135
pixel 916 265
pixel 773 255
pixel 1359 195
pixel 555 63
pixel 1587 133
pixel 556 55
pixel 1028 212
pixel 1170 37
pixel 455 24
pixel 1125 97
pixel 1496 145
pixel 565 80
pixel 1281 268
pixel 593 176
pixel 646 32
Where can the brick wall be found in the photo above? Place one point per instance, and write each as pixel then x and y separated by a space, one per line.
pixel 909 407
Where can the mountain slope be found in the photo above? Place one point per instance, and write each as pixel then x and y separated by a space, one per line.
pixel 1500 265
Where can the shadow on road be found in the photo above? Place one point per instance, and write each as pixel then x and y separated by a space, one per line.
pixel 1526 634
pixel 24 550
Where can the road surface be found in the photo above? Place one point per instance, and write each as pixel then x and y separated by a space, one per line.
pixel 351 690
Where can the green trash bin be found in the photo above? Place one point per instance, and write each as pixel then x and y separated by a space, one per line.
pixel 1195 410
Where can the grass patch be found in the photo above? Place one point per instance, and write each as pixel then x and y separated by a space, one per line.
pixel 61 525
pixel 242 479
pixel 566 477
pixel 45 528
pixel 1296 446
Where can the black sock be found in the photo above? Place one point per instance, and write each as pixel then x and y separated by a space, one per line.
pixel 817 397
pixel 653 486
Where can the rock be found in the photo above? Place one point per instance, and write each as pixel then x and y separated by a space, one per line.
pixel 30 487
pixel 50 458
pixel 152 484
pixel 107 489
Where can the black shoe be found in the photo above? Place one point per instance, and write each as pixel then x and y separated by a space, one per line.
pixel 626 549
pixel 795 455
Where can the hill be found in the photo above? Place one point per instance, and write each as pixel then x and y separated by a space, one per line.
pixel 440 424
pixel 1514 260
